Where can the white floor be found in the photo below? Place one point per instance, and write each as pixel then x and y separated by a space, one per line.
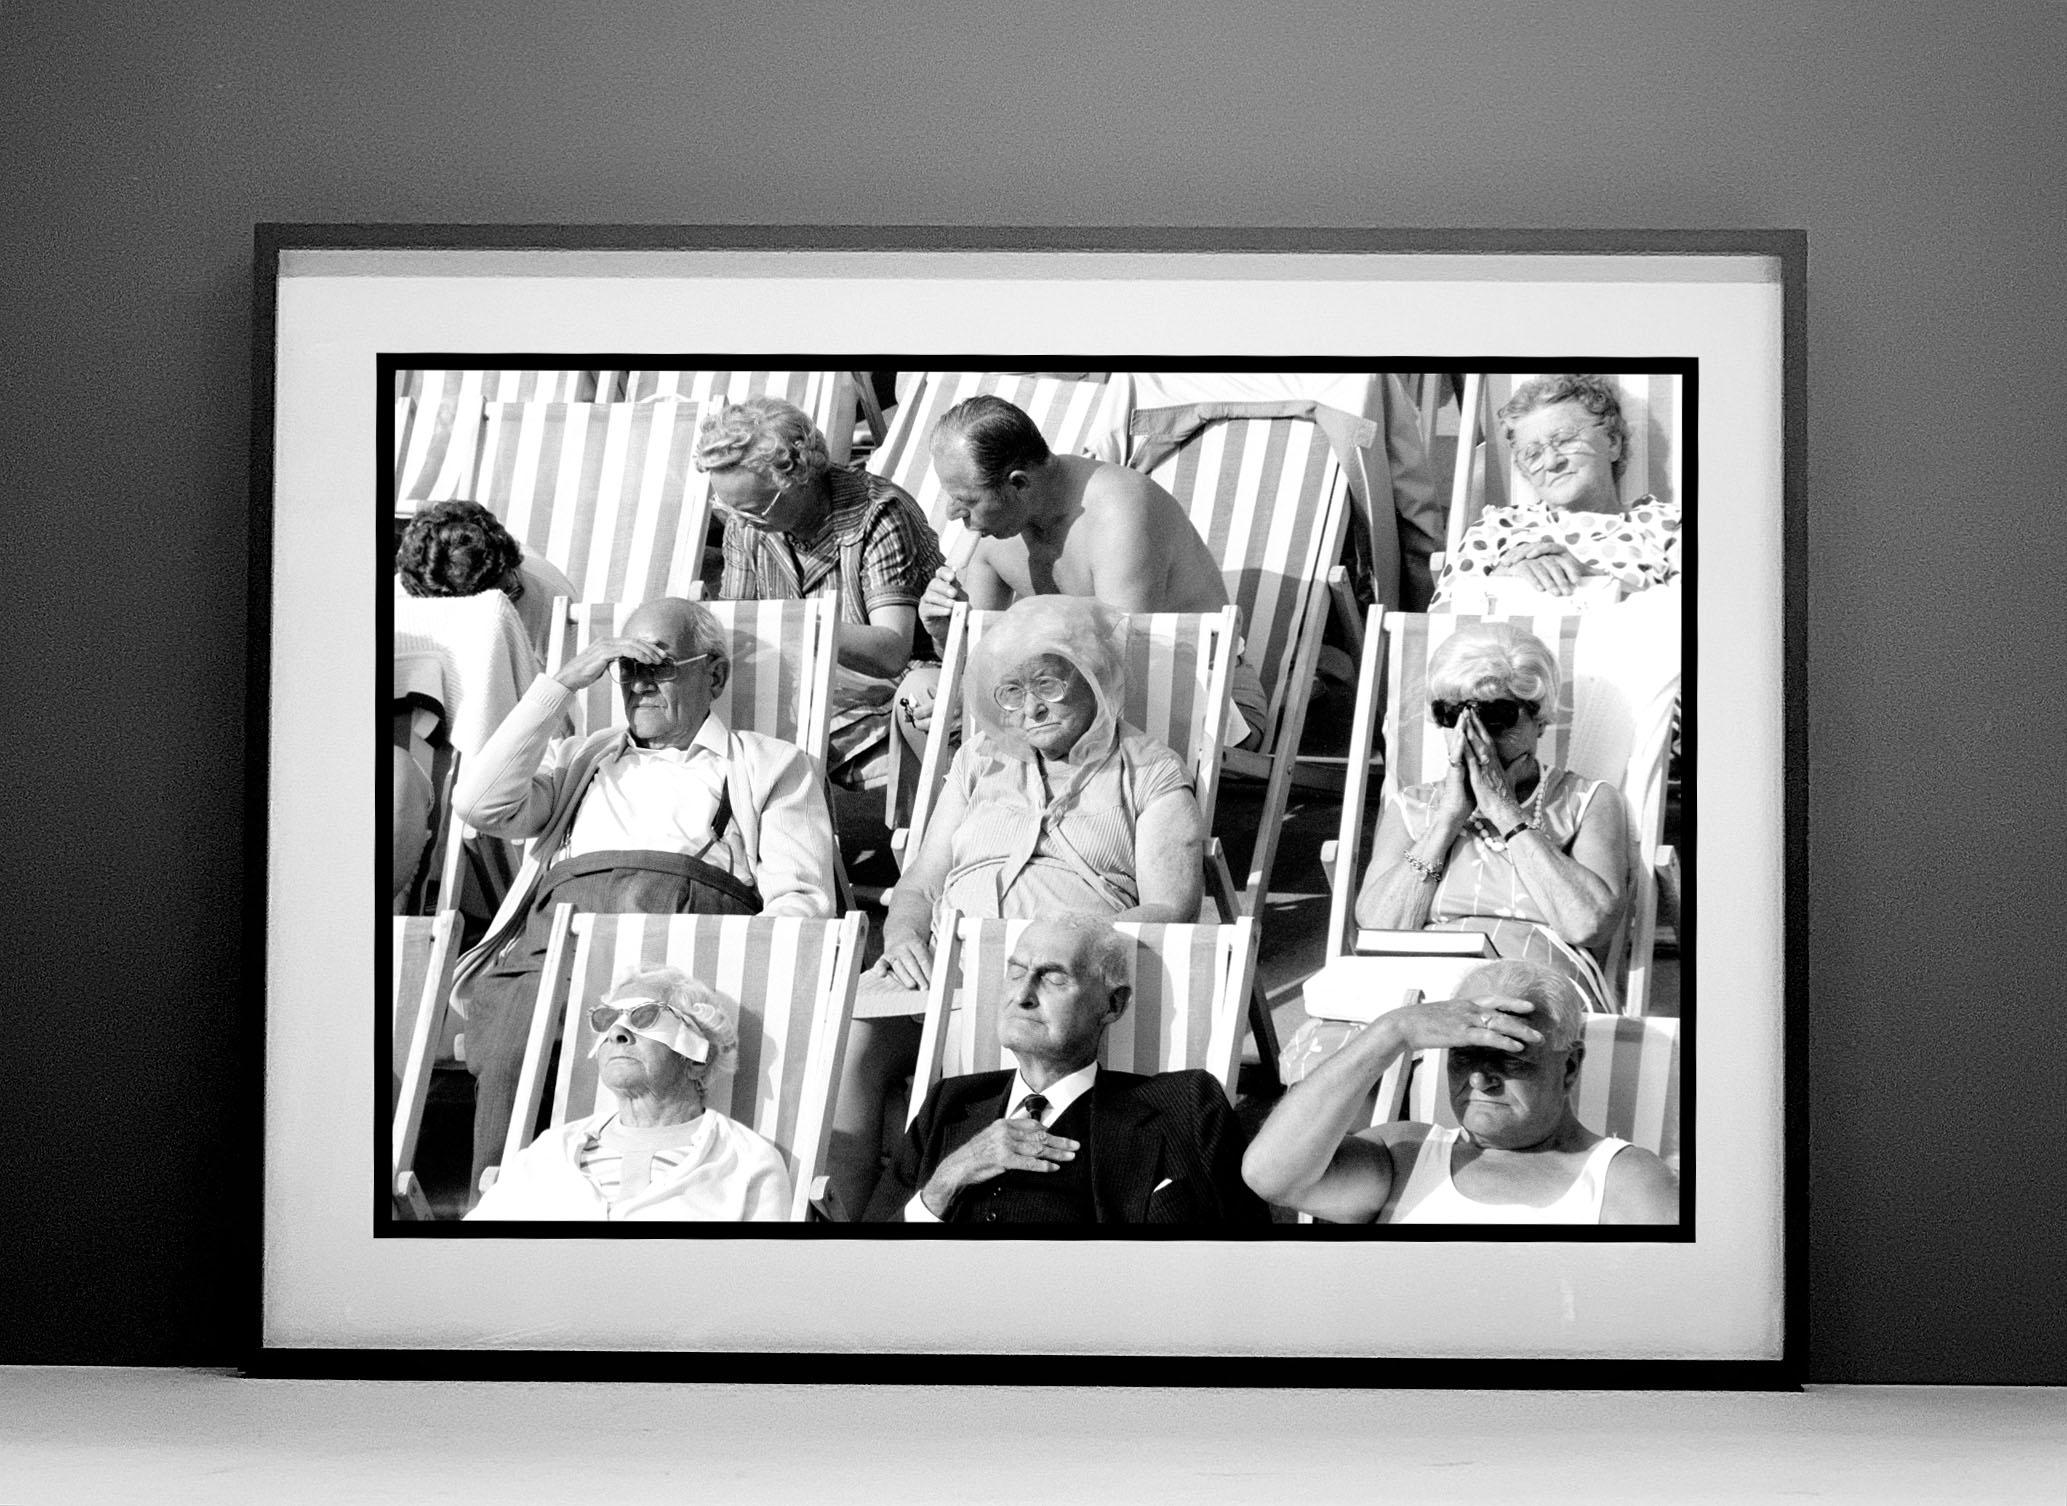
pixel 169 1437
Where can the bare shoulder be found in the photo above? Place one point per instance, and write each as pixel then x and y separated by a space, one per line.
pixel 1116 496
pixel 1641 1189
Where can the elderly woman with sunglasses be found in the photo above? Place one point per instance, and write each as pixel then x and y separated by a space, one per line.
pixel 1053 806
pixel 660 1152
pixel 1571 442
pixel 1534 856
pixel 796 527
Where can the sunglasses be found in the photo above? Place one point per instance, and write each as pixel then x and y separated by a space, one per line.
pixel 1495 716
pixel 622 670
pixel 603 1018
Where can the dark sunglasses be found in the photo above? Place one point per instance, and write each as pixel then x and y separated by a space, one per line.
pixel 1495 716
pixel 604 1017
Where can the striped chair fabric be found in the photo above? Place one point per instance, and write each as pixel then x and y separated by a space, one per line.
pixel 425 951
pixel 1179 666
pixel 1619 669
pixel 1190 986
pixel 831 398
pixel 1065 409
pixel 1650 407
pixel 1628 1084
pixel 1272 504
pixel 438 421
pixel 782 666
pixel 792 980
pixel 606 491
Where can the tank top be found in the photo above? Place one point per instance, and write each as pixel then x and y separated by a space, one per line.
pixel 1430 1197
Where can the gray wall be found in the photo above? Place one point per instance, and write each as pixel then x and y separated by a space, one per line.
pixel 1919 148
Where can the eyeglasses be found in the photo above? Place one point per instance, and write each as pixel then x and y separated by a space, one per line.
pixel 1564 441
pixel 1012 696
pixel 604 1017
pixel 1495 716
pixel 756 512
pixel 623 670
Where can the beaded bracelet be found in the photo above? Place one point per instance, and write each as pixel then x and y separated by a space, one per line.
pixel 1429 872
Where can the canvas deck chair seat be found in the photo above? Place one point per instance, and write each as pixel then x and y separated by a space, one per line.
pixel 606 491
pixel 1619 671
pixel 1629 1085
pixel 438 422
pixel 1270 498
pixel 425 951
pixel 1487 475
pixel 1179 674
pixel 792 981
pixel 1374 426
pixel 830 398
pixel 1190 984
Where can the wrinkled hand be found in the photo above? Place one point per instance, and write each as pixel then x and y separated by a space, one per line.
pixel 1546 566
pixel 1493 1021
pixel 1489 788
pixel 587 667
pixel 943 591
pixel 1456 802
pixel 1007 1145
pixel 907 957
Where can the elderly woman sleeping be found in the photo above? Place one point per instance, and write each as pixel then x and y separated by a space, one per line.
pixel 1515 1040
pixel 1535 857
pixel 1053 806
pixel 1570 441
pixel 661 1152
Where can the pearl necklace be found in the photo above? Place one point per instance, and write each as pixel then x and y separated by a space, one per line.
pixel 1482 830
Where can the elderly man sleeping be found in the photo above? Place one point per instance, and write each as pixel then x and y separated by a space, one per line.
pixel 659 1152
pixel 1520 1156
pixel 674 813
pixel 1059 1139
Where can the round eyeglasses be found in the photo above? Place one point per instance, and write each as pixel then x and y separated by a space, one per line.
pixel 623 670
pixel 1013 696
pixel 1565 442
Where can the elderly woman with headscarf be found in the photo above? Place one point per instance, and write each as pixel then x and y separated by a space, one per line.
pixel 1053 806
pixel 1513 1040
pixel 798 527
pixel 462 549
pixel 1536 857
pixel 1571 442
pixel 660 1152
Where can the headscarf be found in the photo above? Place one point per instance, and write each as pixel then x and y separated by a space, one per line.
pixel 1087 635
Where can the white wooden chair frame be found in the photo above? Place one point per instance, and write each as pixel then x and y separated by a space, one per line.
pixel 421 1008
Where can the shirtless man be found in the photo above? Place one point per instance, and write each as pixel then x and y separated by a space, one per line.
pixel 1060 525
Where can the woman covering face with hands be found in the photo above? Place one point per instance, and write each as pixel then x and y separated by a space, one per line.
pixel 1533 856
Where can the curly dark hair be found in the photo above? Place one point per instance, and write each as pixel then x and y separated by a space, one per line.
pixel 455 549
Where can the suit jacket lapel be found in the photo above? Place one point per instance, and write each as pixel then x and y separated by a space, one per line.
pixel 967 1120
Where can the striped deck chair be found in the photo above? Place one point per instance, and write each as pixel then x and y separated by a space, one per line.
pixel 782 666
pixel 1272 504
pixel 1190 984
pixel 1064 408
pixel 426 949
pixel 1488 477
pixel 438 422
pixel 1178 675
pixel 606 491
pixel 1620 672
pixel 792 980
pixel 1628 1085
pixel 831 398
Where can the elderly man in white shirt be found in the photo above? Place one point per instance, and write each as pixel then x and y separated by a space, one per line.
pixel 674 813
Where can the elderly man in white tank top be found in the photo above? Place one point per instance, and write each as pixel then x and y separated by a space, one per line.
pixel 1520 1154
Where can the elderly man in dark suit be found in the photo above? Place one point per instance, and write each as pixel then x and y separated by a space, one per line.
pixel 1062 1140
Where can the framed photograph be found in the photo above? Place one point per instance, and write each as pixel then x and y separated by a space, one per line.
pixel 400 368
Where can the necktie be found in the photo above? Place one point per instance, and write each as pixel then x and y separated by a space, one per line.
pixel 1033 1105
